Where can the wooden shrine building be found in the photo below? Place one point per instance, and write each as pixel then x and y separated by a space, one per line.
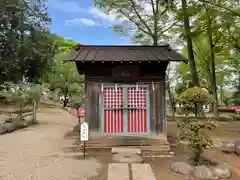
pixel 125 88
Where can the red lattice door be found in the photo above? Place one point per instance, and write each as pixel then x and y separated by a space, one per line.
pixel 113 110
pixel 125 110
pixel 137 112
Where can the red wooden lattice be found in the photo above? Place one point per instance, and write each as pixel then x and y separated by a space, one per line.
pixel 135 110
pixel 137 120
pixel 113 112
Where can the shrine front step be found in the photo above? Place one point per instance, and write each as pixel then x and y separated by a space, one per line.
pixel 121 171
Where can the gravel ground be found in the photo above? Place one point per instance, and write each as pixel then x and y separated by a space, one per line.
pixel 36 153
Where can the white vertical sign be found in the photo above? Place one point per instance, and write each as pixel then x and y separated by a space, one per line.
pixel 84 131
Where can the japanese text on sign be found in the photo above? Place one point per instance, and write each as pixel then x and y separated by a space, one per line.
pixel 84 131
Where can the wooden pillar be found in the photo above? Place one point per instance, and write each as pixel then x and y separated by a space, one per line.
pixel 158 107
pixel 163 104
pixel 152 109
pixel 92 92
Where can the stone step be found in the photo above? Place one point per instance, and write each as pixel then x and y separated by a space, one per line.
pixel 118 171
pixel 129 140
pixel 143 148
pixel 153 148
pixel 125 150
pixel 142 172
pixel 125 144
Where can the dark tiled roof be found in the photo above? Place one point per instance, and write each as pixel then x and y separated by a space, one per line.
pixel 124 53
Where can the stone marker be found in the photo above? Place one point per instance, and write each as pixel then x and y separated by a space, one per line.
pixel 127 158
pixel 116 150
pixel 142 172
pixel 118 171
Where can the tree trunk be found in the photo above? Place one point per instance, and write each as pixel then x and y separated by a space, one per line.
pixel 22 58
pixel 171 99
pixel 212 59
pixel 196 109
pixel 221 94
pixel 34 111
pixel 238 74
pixel 192 64
pixel 65 101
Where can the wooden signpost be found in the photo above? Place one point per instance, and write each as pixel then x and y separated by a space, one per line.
pixel 84 136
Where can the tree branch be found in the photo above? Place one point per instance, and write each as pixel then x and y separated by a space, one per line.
pixel 173 24
pixel 219 36
pixel 222 7
pixel 153 8
pixel 140 18
pixel 233 40
pixel 133 21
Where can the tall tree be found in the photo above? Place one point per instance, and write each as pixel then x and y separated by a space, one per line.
pixel 65 79
pixel 187 34
pixel 23 28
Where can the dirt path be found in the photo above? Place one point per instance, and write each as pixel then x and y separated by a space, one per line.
pixel 231 160
pixel 36 153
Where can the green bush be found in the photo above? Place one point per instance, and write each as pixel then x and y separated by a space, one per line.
pixel 192 98
pixel 190 128
pixel 22 96
pixel 180 110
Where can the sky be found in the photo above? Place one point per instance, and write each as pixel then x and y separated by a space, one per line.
pixel 81 21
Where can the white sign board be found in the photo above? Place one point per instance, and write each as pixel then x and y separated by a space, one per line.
pixel 84 131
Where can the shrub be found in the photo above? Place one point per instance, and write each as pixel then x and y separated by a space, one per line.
pixel 180 110
pixel 192 98
pixel 76 102
pixel 191 128
pixel 22 95
pixel 236 97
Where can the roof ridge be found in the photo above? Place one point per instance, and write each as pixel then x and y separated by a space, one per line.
pixel 124 53
pixel 160 45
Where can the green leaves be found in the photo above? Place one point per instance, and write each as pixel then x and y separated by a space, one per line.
pixel 192 130
pixel 195 95
pixel 21 95
pixel 76 101
pixel 26 48
pixel 65 78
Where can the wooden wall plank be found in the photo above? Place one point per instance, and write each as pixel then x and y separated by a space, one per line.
pixel 92 115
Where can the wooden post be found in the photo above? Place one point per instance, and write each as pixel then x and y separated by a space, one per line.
pixel 34 110
pixel 79 123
